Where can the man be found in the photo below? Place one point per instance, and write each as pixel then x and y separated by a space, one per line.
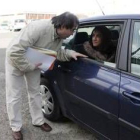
pixel 40 35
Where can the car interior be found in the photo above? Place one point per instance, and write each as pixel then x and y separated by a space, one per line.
pixel 84 36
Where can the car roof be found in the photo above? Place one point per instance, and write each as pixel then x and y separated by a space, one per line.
pixel 111 17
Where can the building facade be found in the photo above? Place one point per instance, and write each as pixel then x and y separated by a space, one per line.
pixel 28 17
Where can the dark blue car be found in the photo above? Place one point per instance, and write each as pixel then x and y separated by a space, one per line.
pixel 102 96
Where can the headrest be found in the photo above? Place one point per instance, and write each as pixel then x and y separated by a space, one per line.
pixel 114 34
pixel 81 37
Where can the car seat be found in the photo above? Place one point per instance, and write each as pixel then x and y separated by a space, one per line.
pixel 80 38
pixel 114 37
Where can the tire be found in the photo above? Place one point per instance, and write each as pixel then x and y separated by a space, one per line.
pixel 50 105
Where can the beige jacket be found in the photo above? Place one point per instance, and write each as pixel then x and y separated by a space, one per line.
pixel 39 35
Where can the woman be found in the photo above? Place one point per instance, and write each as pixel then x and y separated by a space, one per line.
pixel 100 46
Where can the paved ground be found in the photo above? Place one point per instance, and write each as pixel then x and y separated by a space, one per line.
pixel 61 131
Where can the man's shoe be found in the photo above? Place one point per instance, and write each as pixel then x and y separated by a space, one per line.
pixel 44 127
pixel 17 135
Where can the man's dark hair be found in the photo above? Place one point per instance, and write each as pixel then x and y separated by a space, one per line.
pixel 67 20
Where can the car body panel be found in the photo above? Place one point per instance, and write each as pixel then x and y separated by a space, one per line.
pixel 18 24
pixel 129 107
pixel 4 26
pixel 104 99
pixel 111 17
pixel 82 78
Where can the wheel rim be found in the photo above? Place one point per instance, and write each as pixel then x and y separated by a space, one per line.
pixel 47 100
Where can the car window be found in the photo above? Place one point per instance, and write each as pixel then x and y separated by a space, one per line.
pixel 68 42
pixel 107 52
pixel 135 53
pixel 4 24
pixel 88 30
pixel 19 21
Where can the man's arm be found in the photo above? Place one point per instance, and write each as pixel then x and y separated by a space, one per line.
pixel 66 55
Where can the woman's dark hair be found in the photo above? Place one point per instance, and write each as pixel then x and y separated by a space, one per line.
pixel 106 37
pixel 67 20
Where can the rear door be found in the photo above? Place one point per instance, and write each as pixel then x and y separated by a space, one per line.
pixel 129 117
pixel 91 88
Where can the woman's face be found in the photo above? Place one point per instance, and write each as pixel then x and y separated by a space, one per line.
pixel 96 38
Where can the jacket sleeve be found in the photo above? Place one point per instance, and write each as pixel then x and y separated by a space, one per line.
pixel 27 38
pixel 64 54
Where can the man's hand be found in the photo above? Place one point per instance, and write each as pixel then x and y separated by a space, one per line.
pixel 74 55
pixel 37 65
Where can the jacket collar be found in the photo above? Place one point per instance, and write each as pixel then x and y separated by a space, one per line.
pixel 55 34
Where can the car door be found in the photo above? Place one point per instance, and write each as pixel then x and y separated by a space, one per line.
pixel 91 94
pixel 95 98
pixel 129 117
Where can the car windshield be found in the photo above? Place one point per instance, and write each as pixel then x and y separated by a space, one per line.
pixel 4 24
pixel 19 20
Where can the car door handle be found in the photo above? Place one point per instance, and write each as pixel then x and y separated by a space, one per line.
pixel 64 69
pixel 134 97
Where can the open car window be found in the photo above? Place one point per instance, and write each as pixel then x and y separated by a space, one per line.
pixel 84 33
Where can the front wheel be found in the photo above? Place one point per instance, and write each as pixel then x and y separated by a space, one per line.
pixel 50 105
